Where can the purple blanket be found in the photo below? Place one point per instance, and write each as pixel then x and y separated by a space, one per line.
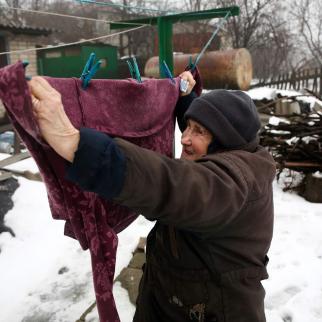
pixel 140 113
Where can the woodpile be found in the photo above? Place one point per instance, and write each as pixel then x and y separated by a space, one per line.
pixel 296 144
pixel 295 141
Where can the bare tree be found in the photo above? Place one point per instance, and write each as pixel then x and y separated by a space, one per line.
pixel 15 4
pixel 263 31
pixel 306 17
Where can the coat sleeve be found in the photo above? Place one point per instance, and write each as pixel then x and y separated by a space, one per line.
pixel 196 196
pixel 181 108
pixel 99 164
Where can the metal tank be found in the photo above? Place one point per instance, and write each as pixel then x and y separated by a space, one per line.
pixel 231 69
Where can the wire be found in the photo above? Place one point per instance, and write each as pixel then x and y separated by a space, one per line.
pixel 72 43
pixel 121 6
pixel 66 16
pixel 219 26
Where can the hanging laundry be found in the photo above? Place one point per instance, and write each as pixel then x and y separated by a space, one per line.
pixel 139 112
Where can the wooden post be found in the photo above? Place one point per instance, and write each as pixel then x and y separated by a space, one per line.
pixel 278 81
pixel 320 82
pixel 293 79
pixel 307 78
pixel 16 143
pixel 288 83
pixel 298 80
pixel 315 81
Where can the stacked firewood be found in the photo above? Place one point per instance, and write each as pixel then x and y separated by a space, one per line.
pixel 296 142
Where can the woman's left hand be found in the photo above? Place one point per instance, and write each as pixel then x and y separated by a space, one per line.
pixel 187 76
pixel 53 122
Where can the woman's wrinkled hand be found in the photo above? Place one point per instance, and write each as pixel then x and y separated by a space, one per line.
pixel 187 76
pixel 54 124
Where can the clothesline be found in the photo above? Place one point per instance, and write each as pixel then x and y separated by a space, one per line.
pixel 100 3
pixel 72 43
pixel 66 16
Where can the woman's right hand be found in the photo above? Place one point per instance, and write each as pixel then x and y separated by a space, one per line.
pixel 54 124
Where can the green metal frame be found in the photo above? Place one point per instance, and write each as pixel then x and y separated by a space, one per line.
pixel 165 24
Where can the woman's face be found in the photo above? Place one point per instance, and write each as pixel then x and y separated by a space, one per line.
pixel 195 141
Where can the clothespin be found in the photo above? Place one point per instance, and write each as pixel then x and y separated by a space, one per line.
pixel 25 63
pixel 166 71
pixel 190 65
pixel 136 70
pixel 183 83
pixel 131 68
pixel 89 70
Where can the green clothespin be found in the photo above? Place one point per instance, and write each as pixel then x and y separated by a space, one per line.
pixel 136 70
pixel 131 68
pixel 25 63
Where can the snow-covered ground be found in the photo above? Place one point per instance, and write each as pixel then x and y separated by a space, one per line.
pixel 46 277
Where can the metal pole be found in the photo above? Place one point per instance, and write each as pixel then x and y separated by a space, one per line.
pixel 165 44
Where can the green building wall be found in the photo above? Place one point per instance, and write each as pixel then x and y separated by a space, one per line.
pixel 70 61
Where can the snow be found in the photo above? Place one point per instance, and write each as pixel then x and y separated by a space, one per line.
pixel 277 120
pixel 260 93
pixel 33 290
pixel 270 93
pixel 317 174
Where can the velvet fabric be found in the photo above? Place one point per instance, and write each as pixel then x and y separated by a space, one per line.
pixel 139 112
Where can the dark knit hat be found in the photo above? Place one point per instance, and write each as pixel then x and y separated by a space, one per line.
pixel 231 116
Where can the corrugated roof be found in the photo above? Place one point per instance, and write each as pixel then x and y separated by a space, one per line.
pixel 19 26
pixel 21 23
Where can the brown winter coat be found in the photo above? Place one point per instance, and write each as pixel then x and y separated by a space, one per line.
pixel 206 254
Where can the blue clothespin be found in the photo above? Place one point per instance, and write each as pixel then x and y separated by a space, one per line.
pixel 166 71
pixel 190 62
pixel 89 70
pixel 183 83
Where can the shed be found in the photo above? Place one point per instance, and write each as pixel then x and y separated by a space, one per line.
pixel 17 35
pixel 70 61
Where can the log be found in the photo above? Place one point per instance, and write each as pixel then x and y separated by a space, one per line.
pixel 291 164
pixel 230 69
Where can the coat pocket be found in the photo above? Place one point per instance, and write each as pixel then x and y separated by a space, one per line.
pixel 243 295
pixel 185 292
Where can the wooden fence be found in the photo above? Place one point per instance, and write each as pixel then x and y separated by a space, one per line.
pixel 307 78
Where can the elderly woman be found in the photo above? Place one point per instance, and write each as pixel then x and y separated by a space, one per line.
pixel 206 255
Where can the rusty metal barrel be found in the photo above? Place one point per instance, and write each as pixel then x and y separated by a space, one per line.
pixel 231 69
